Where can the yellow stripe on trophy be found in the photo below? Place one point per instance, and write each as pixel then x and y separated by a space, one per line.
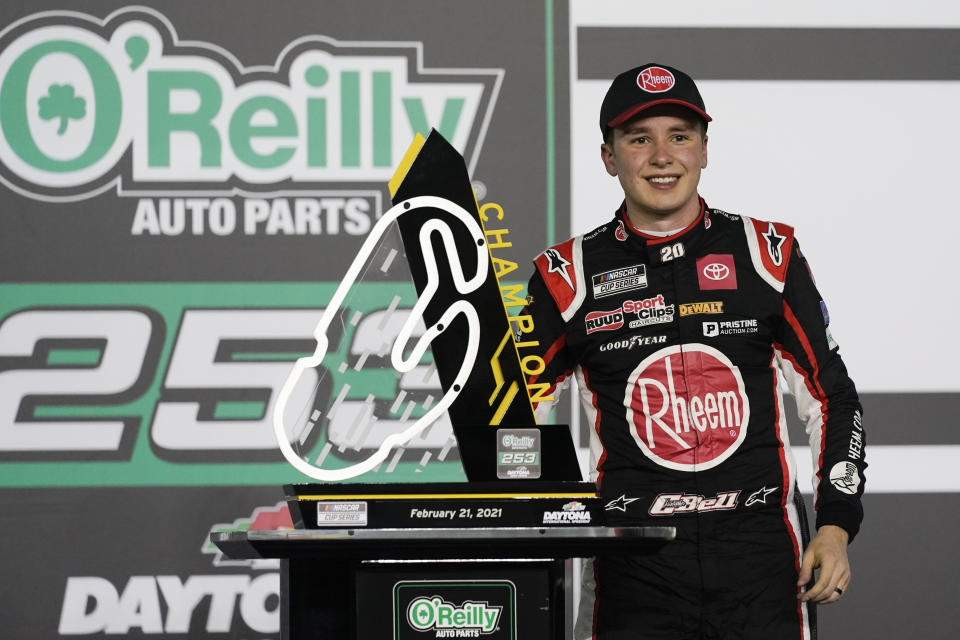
pixel 505 404
pixel 412 151
pixel 497 369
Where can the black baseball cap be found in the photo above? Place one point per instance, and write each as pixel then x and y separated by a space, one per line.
pixel 645 86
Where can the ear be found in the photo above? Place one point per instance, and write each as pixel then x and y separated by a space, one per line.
pixel 608 158
pixel 703 161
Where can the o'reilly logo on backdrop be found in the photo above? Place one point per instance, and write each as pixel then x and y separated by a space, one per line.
pixel 87 105
pixel 454 609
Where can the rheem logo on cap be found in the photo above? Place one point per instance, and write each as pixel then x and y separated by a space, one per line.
pixel 655 80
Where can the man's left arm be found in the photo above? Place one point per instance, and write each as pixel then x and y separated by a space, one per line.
pixel 827 402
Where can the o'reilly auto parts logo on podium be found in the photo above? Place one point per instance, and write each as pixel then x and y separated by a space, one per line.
pixel 436 613
pixel 87 104
pixel 454 609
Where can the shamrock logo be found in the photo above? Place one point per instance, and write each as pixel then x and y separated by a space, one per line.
pixel 62 102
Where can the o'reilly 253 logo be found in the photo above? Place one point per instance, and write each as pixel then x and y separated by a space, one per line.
pixel 86 104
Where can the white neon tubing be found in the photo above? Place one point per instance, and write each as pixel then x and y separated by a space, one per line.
pixel 460 307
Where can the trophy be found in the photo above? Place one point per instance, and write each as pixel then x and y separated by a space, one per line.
pixel 428 310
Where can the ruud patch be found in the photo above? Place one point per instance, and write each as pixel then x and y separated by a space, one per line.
pixel 604 320
pixel 619 280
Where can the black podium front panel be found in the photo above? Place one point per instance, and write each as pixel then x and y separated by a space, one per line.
pixel 367 584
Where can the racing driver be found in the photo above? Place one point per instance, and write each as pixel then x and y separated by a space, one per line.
pixel 681 324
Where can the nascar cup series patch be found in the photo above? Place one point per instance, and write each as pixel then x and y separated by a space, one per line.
pixel 620 280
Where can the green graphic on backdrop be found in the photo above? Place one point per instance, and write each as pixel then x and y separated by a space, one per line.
pixel 125 87
pixel 62 102
pixel 172 384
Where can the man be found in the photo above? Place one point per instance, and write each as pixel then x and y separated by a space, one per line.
pixel 681 323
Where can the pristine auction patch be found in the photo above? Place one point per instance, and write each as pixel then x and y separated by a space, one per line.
pixel 730 327
pixel 619 280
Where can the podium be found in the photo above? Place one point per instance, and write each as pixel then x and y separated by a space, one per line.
pixel 449 581
pixel 489 558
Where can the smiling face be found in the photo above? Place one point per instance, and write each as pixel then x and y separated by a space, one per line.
pixel 657 158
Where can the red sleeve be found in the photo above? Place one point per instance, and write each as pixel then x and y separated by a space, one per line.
pixel 550 335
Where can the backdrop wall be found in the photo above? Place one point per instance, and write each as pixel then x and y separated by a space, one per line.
pixel 182 186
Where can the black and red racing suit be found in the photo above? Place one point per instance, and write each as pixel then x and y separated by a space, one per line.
pixel 681 346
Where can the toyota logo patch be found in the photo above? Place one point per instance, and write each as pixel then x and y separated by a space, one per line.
pixel 716 271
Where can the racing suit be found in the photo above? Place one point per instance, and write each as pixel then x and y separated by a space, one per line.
pixel 681 346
